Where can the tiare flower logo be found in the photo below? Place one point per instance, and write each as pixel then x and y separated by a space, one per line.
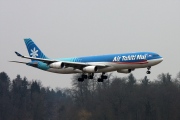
pixel 34 52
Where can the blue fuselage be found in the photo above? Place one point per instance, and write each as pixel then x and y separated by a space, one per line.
pixel 114 62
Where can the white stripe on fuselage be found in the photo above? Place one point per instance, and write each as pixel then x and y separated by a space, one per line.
pixel 113 66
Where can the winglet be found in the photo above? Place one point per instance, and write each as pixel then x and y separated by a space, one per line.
pixel 18 54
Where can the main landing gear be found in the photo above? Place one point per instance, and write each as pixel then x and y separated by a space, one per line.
pixel 90 76
pixel 101 79
pixel 83 76
pixel 148 72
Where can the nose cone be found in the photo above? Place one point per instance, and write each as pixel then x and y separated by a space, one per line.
pixel 160 59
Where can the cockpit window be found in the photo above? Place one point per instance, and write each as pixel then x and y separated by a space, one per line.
pixel 153 55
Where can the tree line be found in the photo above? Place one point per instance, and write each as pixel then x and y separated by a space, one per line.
pixel 117 98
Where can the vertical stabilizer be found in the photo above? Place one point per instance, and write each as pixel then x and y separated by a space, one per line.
pixel 33 49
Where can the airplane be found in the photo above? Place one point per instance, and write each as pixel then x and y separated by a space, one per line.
pixel 89 65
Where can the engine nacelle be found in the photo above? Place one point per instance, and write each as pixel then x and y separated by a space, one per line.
pixel 90 69
pixel 57 65
pixel 124 71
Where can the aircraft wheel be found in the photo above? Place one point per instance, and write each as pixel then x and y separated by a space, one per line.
pixel 103 77
pixel 84 76
pixel 148 72
pixel 90 77
pixel 80 79
pixel 100 80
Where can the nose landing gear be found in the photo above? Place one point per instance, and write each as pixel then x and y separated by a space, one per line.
pixel 148 72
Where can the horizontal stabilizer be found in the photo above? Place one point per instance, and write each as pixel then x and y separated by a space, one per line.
pixel 18 62
pixel 18 54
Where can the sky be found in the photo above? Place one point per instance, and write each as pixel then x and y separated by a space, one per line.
pixel 70 28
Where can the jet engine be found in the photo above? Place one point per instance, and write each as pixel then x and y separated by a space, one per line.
pixel 57 65
pixel 124 71
pixel 90 69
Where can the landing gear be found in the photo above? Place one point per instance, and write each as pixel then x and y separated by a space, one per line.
pixel 148 72
pixel 91 76
pixel 101 79
pixel 83 76
pixel 80 79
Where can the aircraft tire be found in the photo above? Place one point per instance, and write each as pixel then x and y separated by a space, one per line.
pixel 90 77
pixel 84 76
pixel 80 79
pixel 100 80
pixel 103 77
pixel 148 72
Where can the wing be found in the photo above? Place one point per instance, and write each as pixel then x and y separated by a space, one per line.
pixel 76 65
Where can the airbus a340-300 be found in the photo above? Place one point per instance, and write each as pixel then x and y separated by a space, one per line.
pixel 89 65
